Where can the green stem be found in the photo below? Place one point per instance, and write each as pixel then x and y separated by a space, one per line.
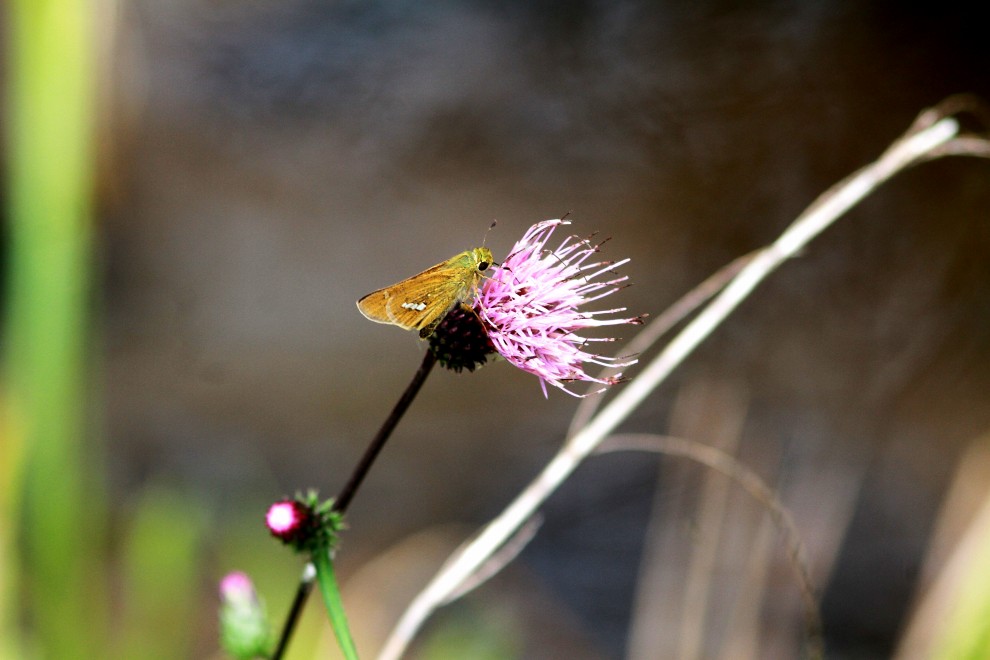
pixel 335 606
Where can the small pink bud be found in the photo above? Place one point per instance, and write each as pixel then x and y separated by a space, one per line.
pixel 291 521
pixel 236 588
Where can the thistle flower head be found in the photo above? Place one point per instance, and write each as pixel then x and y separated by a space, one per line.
pixel 532 306
pixel 461 340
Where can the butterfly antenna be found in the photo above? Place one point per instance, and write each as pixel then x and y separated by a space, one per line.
pixel 490 228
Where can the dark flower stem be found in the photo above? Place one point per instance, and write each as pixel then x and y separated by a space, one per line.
pixel 302 593
pixel 343 500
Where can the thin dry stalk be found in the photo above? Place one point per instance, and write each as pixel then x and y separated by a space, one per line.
pixel 499 560
pixel 723 432
pixel 663 624
pixel 742 630
pixel 749 481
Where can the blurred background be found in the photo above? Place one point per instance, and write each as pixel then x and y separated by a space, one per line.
pixel 252 168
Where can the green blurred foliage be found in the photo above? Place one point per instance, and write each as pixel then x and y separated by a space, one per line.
pixel 162 563
pixel 466 636
pixel 966 635
pixel 50 164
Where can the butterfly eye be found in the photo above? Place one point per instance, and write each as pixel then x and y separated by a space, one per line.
pixel 483 265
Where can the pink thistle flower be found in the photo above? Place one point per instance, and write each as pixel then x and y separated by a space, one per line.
pixel 531 307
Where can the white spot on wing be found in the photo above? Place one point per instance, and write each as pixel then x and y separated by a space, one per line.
pixel 416 307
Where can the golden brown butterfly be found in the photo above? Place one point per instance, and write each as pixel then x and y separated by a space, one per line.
pixel 422 301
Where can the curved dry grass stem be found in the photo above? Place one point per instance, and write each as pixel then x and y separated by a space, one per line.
pixel 931 131
pixel 658 327
pixel 501 558
pixel 751 482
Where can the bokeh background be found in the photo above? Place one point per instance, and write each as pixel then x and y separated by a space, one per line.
pixel 261 165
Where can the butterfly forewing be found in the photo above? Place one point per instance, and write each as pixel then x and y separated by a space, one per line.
pixel 420 302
